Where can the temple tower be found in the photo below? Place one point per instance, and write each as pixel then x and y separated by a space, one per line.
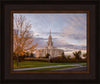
pixel 50 43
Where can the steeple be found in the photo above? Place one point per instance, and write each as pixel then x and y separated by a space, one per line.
pixel 50 43
pixel 50 37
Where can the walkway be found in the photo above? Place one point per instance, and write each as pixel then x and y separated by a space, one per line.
pixel 24 69
pixel 81 68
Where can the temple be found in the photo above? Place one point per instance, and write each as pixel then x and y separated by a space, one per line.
pixel 49 49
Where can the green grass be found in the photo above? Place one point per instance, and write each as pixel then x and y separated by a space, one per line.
pixel 28 64
pixel 49 69
pixel 83 64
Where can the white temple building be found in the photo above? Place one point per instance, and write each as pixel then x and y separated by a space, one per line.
pixel 50 49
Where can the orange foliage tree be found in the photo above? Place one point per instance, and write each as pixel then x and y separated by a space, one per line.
pixel 22 37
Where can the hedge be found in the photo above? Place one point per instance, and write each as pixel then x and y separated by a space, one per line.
pixel 36 59
pixel 20 58
pixel 65 60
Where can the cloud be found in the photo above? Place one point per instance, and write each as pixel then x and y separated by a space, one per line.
pixel 76 29
pixel 77 36
pixel 63 43
pixel 36 34
pixel 41 42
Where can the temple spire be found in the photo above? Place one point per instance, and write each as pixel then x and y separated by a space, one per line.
pixel 50 31
pixel 50 37
pixel 50 43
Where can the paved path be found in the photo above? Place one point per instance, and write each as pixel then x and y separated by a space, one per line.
pixel 79 68
pixel 24 69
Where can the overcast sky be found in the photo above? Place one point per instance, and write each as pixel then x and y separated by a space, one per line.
pixel 68 30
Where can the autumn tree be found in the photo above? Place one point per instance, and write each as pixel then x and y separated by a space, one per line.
pixel 22 37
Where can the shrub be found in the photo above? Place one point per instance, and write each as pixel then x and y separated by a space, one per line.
pixel 19 58
pixel 67 59
pixel 58 60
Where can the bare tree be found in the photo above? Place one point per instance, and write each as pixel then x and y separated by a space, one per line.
pixel 77 54
pixel 23 38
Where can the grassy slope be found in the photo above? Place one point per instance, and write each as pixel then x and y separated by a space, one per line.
pixel 28 64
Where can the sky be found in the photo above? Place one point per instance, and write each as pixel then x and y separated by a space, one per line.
pixel 68 30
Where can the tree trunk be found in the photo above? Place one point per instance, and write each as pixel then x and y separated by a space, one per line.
pixel 17 61
pixel 49 59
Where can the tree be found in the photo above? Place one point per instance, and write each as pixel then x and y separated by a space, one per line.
pixel 85 55
pixel 68 57
pixel 23 39
pixel 63 56
pixel 27 54
pixel 32 55
pixel 47 55
pixel 77 54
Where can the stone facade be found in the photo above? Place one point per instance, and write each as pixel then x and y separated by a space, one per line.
pixel 50 49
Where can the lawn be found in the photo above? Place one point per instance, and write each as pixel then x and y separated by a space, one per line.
pixel 28 64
